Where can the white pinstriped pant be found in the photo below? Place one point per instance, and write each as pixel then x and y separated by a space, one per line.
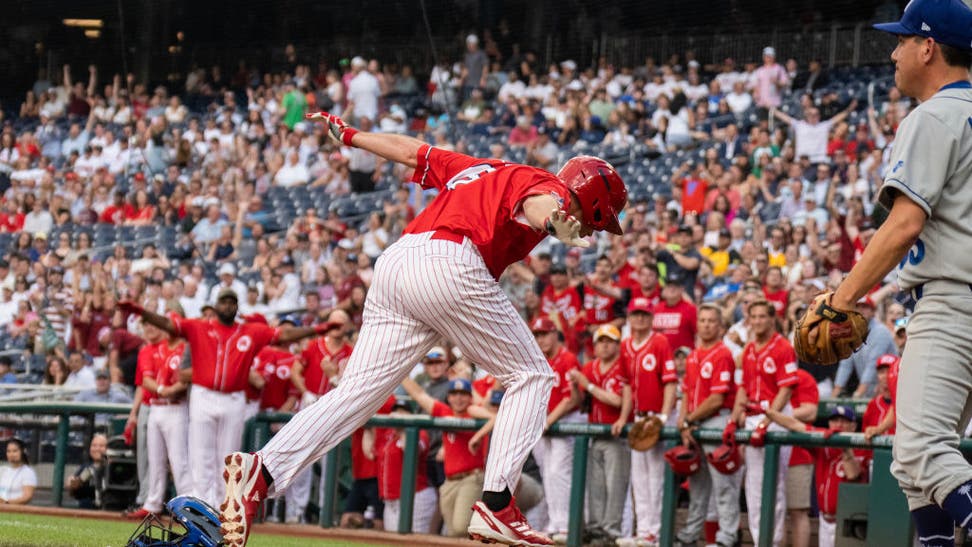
pixel 424 289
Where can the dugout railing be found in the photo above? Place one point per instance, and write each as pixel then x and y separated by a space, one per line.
pixel 884 500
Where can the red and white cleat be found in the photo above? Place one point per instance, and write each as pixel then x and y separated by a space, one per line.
pixel 508 527
pixel 245 489
pixel 138 514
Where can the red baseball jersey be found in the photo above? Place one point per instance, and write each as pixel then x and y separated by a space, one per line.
pixel 650 367
pixel 628 276
pixel 561 363
pixel 877 409
pixel 392 457
pixel 613 379
pixel 222 355
pixel 167 362
pixel 707 371
pixel 562 307
pixel 146 361
pixel 653 296
pixel 313 354
pixel 829 473
pixel 779 299
pixel 362 467
pixel 769 368
pixel 676 322
pixel 276 366
pixel 482 200
pixel 805 391
pixel 598 307
pixel 458 458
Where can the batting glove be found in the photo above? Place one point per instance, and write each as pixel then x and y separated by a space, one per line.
pixel 338 128
pixel 566 228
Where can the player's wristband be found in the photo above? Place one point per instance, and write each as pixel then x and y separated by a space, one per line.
pixel 347 134
pixel 159 389
pixel 590 388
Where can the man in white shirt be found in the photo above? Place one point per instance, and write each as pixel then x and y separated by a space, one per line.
pixel 363 91
pixel 293 173
pixel 81 376
pixel 811 134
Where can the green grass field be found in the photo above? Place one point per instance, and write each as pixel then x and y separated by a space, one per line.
pixel 21 530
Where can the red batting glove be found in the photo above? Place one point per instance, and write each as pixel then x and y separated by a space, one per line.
pixel 758 436
pixel 129 433
pixel 129 306
pixel 324 328
pixel 729 433
pixel 338 128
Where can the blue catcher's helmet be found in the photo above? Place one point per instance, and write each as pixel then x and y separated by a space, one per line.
pixel 200 521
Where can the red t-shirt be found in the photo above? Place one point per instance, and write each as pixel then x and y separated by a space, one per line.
pixel 314 378
pixel 125 342
pixel 276 367
pixel 11 222
pixel 829 473
pixel 693 195
pixel 779 299
pixel 146 362
pixel 561 363
pixel 613 379
pixel 392 458
pixel 458 458
pixel 650 367
pixel 877 409
pixel 362 467
pixel 805 391
pixel 707 371
pixel 677 323
pixel 222 355
pixel 769 368
pixel 88 331
pixel 482 199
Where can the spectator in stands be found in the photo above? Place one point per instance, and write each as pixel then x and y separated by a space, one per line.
pixel 81 376
pixel 811 134
pixel 364 90
pixel 769 81
pixel 864 362
pixel 87 484
pixel 17 479
pixel 7 376
pixel 104 392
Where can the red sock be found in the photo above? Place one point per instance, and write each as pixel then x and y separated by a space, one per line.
pixel 711 529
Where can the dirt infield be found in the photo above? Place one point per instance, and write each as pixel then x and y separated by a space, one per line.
pixel 304 531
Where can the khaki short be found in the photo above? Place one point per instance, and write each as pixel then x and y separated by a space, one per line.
pixel 799 486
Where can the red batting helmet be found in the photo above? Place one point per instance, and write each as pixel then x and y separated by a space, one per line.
pixel 684 460
pixel 726 459
pixel 599 190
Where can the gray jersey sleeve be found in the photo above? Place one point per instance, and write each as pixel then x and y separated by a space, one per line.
pixel 918 168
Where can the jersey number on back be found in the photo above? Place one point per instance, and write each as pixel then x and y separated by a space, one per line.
pixel 469 174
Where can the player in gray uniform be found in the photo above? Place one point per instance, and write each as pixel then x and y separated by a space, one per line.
pixel 928 237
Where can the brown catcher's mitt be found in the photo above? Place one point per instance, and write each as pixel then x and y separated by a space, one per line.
pixel 645 433
pixel 825 335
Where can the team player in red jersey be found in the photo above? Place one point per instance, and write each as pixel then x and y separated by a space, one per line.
pixel 465 458
pixel 774 289
pixel 799 476
pixel 609 461
pixel 675 317
pixel 440 280
pixel 647 286
pixel 708 394
pixel 390 479
pixel 604 301
pixel 833 465
pixel 222 352
pixel 879 416
pixel 157 374
pixel 562 303
pixel 651 371
pixel 769 374
pixel 555 454
pixel 323 360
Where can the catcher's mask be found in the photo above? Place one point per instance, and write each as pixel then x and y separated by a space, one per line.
pixel 199 523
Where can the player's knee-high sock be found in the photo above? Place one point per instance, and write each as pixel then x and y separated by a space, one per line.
pixel 958 504
pixel 936 528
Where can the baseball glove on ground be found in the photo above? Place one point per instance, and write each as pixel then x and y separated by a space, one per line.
pixel 825 335
pixel 645 433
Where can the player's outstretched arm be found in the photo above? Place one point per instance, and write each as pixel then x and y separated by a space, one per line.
pixel 151 318
pixel 392 147
pixel 418 395
pixel 788 422
pixel 293 334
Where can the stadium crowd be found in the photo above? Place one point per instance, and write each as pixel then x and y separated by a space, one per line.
pixel 752 189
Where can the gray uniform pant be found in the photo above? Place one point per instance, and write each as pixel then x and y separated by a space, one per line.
pixel 608 469
pixel 933 403
pixel 701 486
pixel 141 454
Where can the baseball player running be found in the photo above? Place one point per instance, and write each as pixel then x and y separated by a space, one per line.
pixel 439 280
pixel 926 188
pixel 222 352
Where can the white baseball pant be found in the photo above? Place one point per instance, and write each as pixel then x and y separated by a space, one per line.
pixel 216 422
pixel 827 533
pixel 648 486
pixel 424 289
pixel 754 482
pixel 141 453
pixel 555 469
pixel 298 495
pixel 426 503
pixel 168 440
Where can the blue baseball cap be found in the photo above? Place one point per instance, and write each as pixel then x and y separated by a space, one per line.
pixel 496 397
pixel 844 411
pixel 945 21
pixel 460 384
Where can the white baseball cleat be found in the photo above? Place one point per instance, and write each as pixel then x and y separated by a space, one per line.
pixel 245 489
pixel 506 527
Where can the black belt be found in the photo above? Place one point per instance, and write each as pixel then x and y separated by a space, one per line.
pixel 918 291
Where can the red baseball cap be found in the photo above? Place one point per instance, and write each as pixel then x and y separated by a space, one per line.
pixel 887 360
pixel 542 324
pixel 641 304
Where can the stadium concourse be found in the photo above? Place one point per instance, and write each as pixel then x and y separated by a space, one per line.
pixel 750 180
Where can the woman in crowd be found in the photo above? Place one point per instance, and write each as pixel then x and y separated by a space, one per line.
pixel 17 479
